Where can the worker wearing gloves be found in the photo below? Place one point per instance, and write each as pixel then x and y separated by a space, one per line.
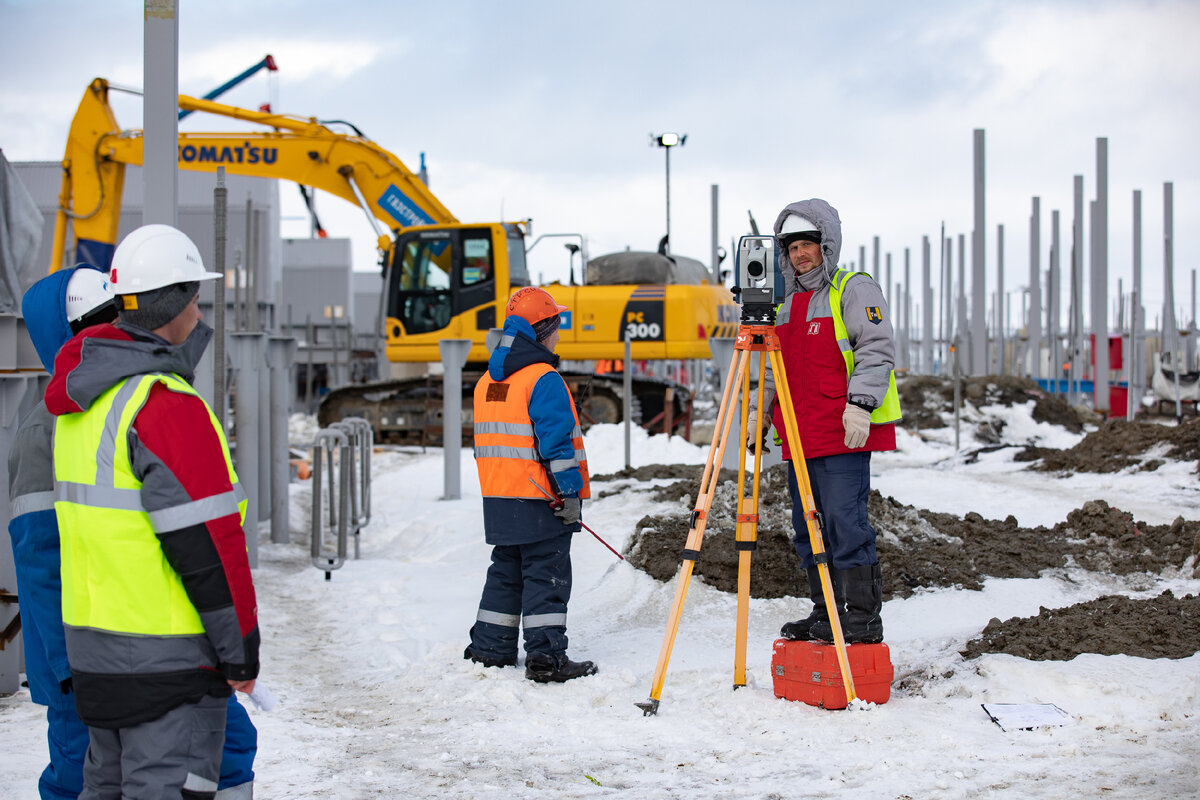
pixel 526 433
pixel 158 606
pixel 835 339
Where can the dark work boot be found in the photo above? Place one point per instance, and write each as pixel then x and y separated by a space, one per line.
pixel 542 668
pixel 799 630
pixel 488 661
pixel 861 623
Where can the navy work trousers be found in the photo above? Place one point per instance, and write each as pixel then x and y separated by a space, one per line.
pixel 527 586
pixel 841 485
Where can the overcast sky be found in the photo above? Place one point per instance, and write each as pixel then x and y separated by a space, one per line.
pixel 544 110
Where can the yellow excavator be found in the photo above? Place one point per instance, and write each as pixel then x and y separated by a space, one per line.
pixel 442 278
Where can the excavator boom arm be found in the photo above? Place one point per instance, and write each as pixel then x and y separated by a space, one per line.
pixel 296 149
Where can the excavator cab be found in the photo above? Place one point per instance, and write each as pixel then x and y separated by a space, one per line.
pixel 448 280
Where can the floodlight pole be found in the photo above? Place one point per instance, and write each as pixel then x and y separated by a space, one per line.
pixel 666 141
pixel 668 154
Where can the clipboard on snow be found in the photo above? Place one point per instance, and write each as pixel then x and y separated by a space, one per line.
pixel 1025 716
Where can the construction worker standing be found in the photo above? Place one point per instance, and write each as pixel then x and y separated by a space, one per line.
pixel 158 605
pixel 56 307
pixel 835 338
pixel 527 444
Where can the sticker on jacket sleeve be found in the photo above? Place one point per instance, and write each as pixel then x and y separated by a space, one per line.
pixel 874 315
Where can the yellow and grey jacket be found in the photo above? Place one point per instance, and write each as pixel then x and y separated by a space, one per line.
pixel 158 603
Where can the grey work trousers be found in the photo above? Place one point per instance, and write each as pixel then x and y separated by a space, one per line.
pixel 175 757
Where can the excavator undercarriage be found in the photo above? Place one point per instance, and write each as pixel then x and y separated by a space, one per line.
pixel 409 411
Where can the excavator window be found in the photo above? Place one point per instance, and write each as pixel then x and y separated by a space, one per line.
pixel 477 260
pixel 425 265
pixel 518 273
pixel 425 300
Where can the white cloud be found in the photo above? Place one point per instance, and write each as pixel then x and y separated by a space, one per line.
pixel 299 59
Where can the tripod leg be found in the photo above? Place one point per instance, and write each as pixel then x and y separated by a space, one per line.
pixel 695 538
pixel 746 538
pixel 784 395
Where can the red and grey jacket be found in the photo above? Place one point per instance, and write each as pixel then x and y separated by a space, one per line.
pixel 174 490
pixel 817 381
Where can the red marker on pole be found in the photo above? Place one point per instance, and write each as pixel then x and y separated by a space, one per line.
pixel 557 503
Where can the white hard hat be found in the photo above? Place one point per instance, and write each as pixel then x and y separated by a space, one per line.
pixel 154 256
pixel 87 290
pixel 796 224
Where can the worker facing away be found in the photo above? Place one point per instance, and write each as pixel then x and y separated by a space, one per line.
pixel 56 308
pixel 158 605
pixel 835 339
pixel 527 436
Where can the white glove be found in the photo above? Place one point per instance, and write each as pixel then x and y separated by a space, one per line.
pixel 262 697
pixel 857 422
pixel 755 436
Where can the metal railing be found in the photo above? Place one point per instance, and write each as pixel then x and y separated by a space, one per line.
pixel 341 458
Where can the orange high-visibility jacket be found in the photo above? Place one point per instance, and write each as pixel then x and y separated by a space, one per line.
pixel 506 452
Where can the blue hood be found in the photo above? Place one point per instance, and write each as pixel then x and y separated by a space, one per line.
pixel 44 306
pixel 518 348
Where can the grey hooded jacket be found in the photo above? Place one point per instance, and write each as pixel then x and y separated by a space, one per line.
pixel 872 342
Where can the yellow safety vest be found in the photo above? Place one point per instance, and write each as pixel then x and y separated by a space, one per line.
pixel 889 409
pixel 115 576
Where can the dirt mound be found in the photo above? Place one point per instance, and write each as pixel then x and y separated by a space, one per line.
pixel 919 549
pixel 927 401
pixel 1159 627
pixel 1119 444
pixel 922 550
pixel 1114 445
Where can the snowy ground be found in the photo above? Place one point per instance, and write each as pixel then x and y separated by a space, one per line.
pixel 375 699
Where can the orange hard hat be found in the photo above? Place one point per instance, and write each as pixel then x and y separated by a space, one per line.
pixel 533 305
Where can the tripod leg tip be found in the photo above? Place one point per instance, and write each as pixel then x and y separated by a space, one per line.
pixel 649 708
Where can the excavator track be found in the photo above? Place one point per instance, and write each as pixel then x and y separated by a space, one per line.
pixel 409 411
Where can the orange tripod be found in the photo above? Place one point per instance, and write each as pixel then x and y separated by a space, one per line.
pixel 761 339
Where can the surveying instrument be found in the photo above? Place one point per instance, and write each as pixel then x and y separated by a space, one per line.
pixel 755 288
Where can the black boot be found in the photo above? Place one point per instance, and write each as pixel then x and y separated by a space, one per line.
pixel 799 631
pixel 488 661
pixel 861 624
pixel 542 668
pixel 821 630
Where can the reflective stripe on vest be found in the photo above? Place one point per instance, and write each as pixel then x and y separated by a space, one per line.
pixel 505 446
pixel 889 409
pixel 115 575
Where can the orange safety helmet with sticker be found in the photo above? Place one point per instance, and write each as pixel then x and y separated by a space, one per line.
pixel 533 305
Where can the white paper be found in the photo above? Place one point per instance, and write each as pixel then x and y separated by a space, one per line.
pixel 1025 716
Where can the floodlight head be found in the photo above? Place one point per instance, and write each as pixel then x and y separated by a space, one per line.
pixel 669 139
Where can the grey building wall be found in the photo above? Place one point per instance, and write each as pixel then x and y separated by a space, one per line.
pixel 317 280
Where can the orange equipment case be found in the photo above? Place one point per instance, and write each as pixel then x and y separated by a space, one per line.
pixel 809 672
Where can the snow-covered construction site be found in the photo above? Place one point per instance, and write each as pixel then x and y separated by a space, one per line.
pixel 1050 564
pixel 380 420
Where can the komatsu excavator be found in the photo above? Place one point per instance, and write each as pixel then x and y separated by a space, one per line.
pixel 442 278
